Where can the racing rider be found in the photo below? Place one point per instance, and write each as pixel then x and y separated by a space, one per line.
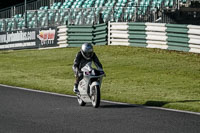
pixel 85 55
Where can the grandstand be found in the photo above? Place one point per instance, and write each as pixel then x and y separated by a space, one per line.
pixel 77 12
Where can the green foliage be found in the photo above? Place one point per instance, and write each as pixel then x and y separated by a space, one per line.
pixel 144 76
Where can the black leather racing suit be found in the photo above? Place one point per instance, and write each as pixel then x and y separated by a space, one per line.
pixel 80 62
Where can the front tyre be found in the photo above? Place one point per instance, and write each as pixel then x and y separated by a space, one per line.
pixel 96 96
pixel 80 101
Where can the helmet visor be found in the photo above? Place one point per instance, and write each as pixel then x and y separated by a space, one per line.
pixel 88 54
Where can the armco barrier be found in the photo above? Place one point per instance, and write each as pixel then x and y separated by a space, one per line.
pixel 155 35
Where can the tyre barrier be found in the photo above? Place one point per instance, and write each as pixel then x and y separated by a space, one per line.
pixel 62 36
pixel 150 35
pixel 194 38
pixel 118 34
pixel 137 36
pixel 100 34
pixel 77 35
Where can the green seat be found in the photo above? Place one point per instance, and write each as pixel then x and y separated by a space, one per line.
pixel 54 4
pixel 56 7
pixel 46 8
pixel 153 4
pixel 66 18
pixel 44 21
pixel 18 16
pixel 184 1
pixel 1 26
pixel 166 3
pixel 65 3
pixel 19 25
pixel 9 26
pixel 32 24
pixel 51 16
pixel 59 4
pixel 57 17
pixel 171 3
pixel 29 15
pixel 41 8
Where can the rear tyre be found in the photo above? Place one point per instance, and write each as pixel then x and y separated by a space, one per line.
pixel 80 101
pixel 96 96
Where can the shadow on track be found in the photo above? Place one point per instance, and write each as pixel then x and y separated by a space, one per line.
pixel 162 103
pixel 117 106
pixel 148 103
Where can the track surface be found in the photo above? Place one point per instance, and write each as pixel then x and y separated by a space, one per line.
pixel 31 112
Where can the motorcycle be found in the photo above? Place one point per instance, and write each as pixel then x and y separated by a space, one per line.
pixel 89 86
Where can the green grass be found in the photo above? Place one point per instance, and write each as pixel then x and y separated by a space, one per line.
pixel 134 75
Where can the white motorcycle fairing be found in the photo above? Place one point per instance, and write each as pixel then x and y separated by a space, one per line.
pixel 90 85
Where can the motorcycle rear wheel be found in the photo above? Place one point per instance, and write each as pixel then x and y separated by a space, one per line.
pixel 96 96
pixel 80 101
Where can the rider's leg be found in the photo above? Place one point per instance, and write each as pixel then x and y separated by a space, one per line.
pixel 79 77
pixel 76 82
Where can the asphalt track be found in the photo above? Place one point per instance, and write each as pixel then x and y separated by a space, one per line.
pixel 24 111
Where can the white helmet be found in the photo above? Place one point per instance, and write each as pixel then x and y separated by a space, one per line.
pixel 87 51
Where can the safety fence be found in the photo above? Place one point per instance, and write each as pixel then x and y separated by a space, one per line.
pixel 155 35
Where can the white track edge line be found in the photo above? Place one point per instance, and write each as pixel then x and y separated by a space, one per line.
pixel 38 91
pixel 152 107
pixel 112 102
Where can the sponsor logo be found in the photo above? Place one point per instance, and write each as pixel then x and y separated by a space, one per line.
pixel 47 36
pixel 82 85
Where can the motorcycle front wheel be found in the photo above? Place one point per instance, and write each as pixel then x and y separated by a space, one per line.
pixel 96 96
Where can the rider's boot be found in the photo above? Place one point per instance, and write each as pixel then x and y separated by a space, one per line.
pixel 76 88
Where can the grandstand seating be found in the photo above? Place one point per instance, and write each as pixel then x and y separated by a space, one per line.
pixel 58 13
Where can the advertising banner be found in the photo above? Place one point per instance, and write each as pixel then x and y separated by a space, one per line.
pixel 29 38
pixel 47 37
pixel 18 39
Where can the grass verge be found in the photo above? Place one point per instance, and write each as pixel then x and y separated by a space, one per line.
pixel 143 76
